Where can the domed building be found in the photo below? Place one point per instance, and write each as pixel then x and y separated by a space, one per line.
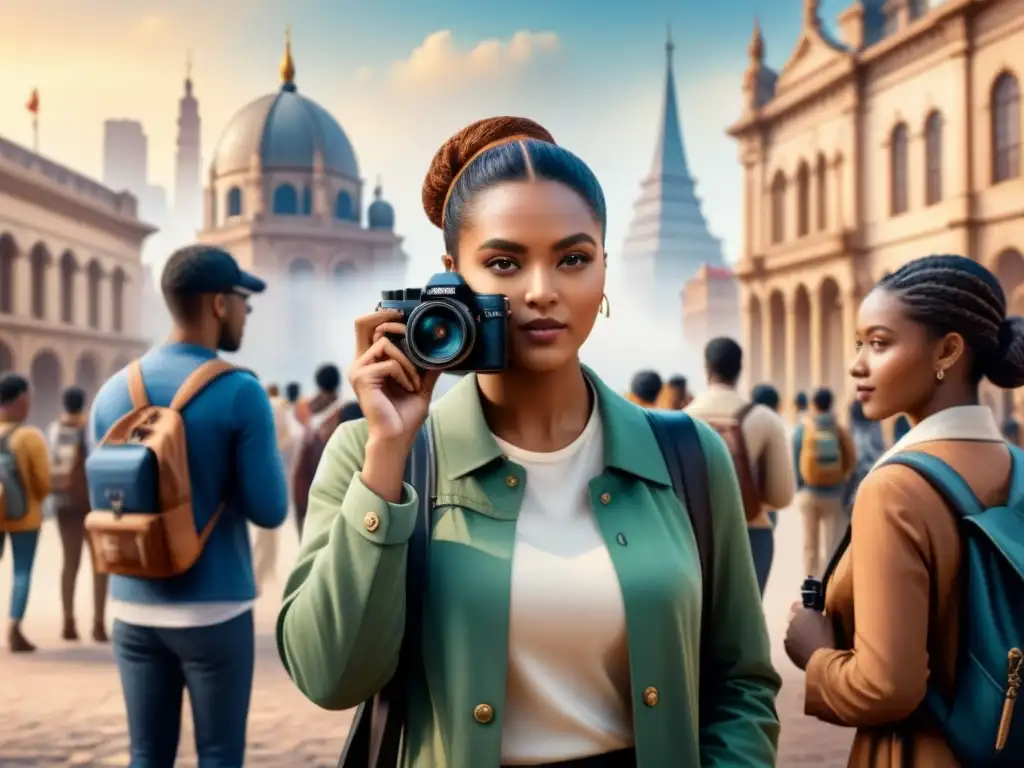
pixel 284 195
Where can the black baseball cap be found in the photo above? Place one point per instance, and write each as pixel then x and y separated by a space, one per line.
pixel 207 269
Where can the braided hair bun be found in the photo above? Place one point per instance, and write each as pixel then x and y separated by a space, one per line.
pixel 453 156
pixel 1006 366
pixel 954 293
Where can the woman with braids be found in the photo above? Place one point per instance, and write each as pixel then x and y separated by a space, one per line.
pixel 562 614
pixel 926 335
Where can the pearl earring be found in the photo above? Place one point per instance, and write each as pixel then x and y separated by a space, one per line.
pixel 940 374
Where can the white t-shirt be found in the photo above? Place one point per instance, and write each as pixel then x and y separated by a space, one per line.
pixel 568 674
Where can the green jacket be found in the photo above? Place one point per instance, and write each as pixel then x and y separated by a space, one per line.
pixel 341 623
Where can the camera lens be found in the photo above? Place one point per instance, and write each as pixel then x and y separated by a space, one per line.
pixel 440 334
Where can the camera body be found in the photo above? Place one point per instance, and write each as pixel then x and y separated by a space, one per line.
pixel 812 594
pixel 450 328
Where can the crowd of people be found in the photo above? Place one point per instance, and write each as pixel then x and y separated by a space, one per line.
pixel 549 592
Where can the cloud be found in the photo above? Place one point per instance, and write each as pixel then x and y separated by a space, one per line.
pixel 437 61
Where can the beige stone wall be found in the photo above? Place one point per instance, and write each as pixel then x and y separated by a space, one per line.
pixel 800 292
pixel 70 281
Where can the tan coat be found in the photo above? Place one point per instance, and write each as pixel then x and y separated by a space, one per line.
pixel 894 598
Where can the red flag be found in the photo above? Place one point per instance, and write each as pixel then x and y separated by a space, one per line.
pixel 33 102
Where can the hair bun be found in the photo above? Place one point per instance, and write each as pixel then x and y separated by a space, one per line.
pixel 1006 369
pixel 453 155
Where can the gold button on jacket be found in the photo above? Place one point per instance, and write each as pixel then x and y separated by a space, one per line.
pixel 606 498
pixel 511 481
pixel 651 696
pixel 483 713
pixel 371 521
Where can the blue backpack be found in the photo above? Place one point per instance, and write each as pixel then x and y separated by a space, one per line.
pixel 979 721
pixel 13 503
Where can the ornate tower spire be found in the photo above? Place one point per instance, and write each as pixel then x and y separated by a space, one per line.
pixel 378 190
pixel 812 19
pixel 668 238
pixel 287 63
pixel 756 48
pixel 669 156
pixel 188 190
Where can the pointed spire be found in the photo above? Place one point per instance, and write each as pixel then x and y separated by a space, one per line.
pixel 811 14
pixel 287 64
pixel 756 48
pixel 188 72
pixel 669 156
pixel 378 191
pixel 669 45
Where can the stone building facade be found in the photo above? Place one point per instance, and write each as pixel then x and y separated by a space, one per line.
pixel 284 195
pixel 711 307
pixel 70 277
pixel 900 140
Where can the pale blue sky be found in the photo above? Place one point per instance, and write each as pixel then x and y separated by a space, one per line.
pixel 599 92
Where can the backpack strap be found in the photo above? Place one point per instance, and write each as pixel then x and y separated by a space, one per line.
pixel 954 490
pixel 676 433
pixel 743 412
pixel 5 438
pixel 136 386
pixel 375 736
pixel 198 380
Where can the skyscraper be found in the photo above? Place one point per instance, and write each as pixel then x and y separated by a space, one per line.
pixel 124 155
pixel 188 191
pixel 668 239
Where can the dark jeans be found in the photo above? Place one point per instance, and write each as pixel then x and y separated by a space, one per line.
pixel 215 663
pixel 762 547
pixel 71 524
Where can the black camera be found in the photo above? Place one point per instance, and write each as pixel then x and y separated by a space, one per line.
pixel 450 328
pixel 812 594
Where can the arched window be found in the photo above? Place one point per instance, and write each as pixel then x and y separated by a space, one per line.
pixel 38 263
pixel 68 268
pixel 821 181
pixel 343 206
pixel 933 159
pixel 1005 128
pixel 8 252
pixel 94 276
pixel 117 287
pixel 234 205
pixel 778 207
pixel 342 270
pixel 307 201
pixel 898 198
pixel 286 201
pixel 803 195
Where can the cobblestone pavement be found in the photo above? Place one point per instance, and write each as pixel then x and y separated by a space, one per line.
pixel 62 706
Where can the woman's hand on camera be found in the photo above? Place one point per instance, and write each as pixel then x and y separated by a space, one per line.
pixel 393 394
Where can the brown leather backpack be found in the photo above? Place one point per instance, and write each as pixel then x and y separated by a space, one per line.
pixel 152 543
pixel 731 430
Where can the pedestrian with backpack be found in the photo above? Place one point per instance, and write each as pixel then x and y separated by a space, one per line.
pixel 921 643
pixel 552 601
pixel 70 498
pixel 757 442
pixel 824 457
pixel 24 485
pixel 186 457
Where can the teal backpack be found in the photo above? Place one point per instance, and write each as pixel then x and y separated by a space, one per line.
pixel 980 723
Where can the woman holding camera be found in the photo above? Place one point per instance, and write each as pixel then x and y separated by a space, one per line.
pixel 926 335
pixel 563 609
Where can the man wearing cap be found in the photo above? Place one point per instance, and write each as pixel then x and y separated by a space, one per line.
pixel 195 631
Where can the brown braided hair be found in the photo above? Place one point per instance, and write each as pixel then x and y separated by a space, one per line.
pixel 494 150
pixel 954 294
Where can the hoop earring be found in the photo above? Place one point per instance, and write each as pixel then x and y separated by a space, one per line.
pixel 606 306
pixel 940 374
